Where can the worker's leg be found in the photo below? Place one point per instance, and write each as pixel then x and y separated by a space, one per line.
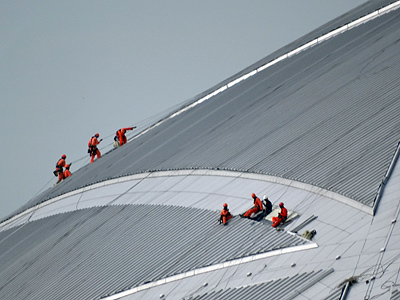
pixel 224 219
pixel 276 221
pixel 60 176
pixel 251 211
pixel 92 155
pixel 98 154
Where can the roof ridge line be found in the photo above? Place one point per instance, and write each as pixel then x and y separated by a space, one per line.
pixel 353 24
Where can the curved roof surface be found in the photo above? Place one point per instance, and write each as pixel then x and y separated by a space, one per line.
pixel 317 130
pixel 313 117
pixel 76 252
pixel 130 236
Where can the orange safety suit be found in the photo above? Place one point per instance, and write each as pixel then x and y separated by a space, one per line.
pixel 120 135
pixel 93 142
pixel 282 216
pixel 225 215
pixel 59 168
pixel 255 209
pixel 67 173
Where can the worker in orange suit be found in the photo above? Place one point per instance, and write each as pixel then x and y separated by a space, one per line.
pixel 92 144
pixel 120 135
pixel 59 168
pixel 255 209
pixel 282 216
pixel 67 173
pixel 225 215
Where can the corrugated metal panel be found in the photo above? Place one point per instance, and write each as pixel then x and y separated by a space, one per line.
pixel 395 295
pixel 95 252
pixel 328 117
pixel 285 288
pixel 321 117
pixel 335 294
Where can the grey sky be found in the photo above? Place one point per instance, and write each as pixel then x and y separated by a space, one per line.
pixel 73 68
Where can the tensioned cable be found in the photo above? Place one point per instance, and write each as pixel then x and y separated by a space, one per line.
pixel 141 124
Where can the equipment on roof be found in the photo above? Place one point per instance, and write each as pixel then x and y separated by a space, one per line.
pixel 309 234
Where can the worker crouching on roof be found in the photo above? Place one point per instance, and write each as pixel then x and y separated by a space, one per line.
pixel 282 216
pixel 225 215
pixel 93 151
pixel 67 173
pixel 255 209
pixel 120 135
pixel 60 168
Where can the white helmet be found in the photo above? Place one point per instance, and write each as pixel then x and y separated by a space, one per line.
pixel 265 197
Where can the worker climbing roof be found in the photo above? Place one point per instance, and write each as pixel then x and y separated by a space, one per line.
pixel 120 135
pixel 92 145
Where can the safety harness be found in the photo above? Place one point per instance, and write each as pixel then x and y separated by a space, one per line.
pixel 92 148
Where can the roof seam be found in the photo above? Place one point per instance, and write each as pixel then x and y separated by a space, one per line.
pixel 381 187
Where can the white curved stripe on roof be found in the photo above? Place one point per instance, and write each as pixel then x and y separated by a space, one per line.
pixel 44 209
pixel 223 265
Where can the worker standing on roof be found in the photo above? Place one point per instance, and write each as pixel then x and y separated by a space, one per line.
pixel 225 215
pixel 120 135
pixel 255 209
pixel 93 142
pixel 67 173
pixel 282 216
pixel 59 168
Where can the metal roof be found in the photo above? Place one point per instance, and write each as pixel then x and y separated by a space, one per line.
pixel 51 239
pixel 395 295
pixel 73 254
pixel 319 130
pixel 335 295
pixel 285 288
